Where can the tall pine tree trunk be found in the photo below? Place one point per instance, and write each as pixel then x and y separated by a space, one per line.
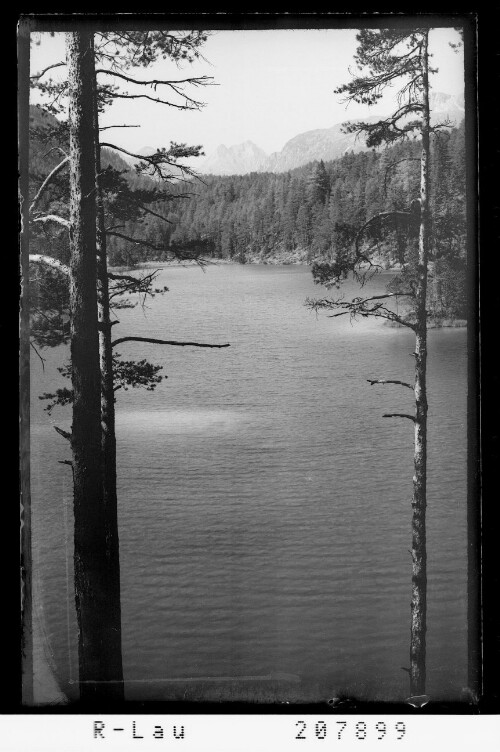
pixel 92 588
pixel 419 501
pixel 108 436
pixel 24 368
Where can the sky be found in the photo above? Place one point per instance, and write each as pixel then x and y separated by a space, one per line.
pixel 268 86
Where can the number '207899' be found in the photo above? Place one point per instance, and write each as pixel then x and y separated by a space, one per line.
pixel 343 729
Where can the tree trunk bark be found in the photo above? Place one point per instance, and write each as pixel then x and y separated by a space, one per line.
pixel 95 634
pixel 419 501
pixel 108 435
pixel 24 369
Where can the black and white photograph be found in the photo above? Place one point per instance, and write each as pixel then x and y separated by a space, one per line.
pixel 248 356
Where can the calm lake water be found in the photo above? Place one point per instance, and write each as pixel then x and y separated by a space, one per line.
pixel 264 503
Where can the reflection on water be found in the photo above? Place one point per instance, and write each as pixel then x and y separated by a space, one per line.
pixel 264 503
pixel 179 421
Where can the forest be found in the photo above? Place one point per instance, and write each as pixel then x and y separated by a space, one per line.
pixel 301 216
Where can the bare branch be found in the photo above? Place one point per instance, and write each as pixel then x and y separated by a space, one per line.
pixel 47 180
pixel 399 415
pixel 389 381
pixel 386 295
pixel 107 127
pixel 157 100
pixel 37 258
pixel 164 342
pixel 56 148
pixel 135 241
pixel 64 434
pixel 179 255
pixel 133 280
pixel 153 213
pixel 53 218
pixel 42 360
pixel 49 67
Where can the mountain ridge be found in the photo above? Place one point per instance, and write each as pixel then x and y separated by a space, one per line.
pixel 314 145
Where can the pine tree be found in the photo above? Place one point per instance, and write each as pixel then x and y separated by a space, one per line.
pixel 385 57
pixel 97 580
pixel 99 651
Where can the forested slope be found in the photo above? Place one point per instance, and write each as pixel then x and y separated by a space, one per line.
pixel 299 216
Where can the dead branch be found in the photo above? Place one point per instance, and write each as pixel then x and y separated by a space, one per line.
pixel 399 415
pixel 64 434
pixel 194 104
pixel 133 280
pixel 107 127
pixel 49 67
pixel 389 381
pixel 38 258
pixel 164 342
pixel 179 255
pixel 56 148
pixel 47 180
pixel 53 218
pixel 135 241
pixel 153 213
pixel 42 360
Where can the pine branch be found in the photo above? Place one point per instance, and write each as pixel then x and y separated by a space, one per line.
pixel 160 158
pixel 358 307
pixel 195 81
pixel 381 216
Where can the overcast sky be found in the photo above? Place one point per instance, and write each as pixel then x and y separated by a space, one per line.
pixel 271 86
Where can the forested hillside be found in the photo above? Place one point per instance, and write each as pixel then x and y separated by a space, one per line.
pixel 312 212
pixel 299 216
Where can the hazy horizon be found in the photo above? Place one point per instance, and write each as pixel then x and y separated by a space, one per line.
pixel 270 86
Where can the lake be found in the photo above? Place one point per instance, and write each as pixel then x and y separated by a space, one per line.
pixel 264 502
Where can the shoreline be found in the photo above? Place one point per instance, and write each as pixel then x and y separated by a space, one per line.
pixel 444 322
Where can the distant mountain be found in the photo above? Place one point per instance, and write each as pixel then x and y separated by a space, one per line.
pixel 322 143
pixel 239 159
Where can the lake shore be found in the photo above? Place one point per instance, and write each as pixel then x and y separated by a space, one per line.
pixel 447 322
